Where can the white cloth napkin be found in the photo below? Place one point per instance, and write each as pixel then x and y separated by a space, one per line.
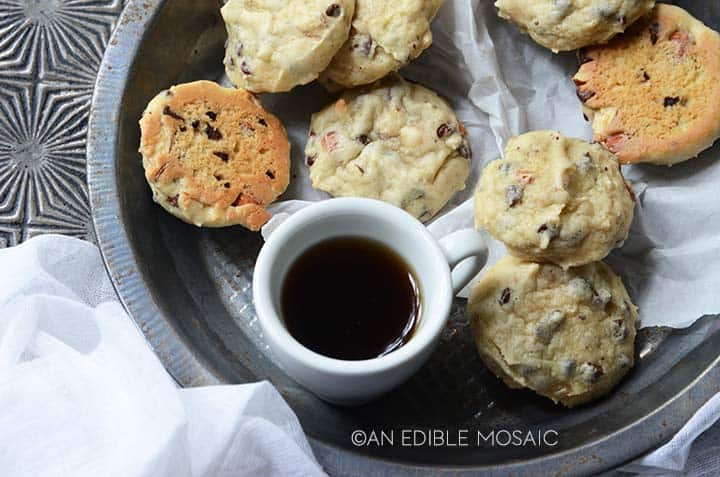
pixel 82 394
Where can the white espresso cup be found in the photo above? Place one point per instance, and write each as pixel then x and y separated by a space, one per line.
pixel 441 268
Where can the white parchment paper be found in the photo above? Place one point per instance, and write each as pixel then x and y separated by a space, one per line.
pixel 502 84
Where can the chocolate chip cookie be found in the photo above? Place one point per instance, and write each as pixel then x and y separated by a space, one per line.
pixel 563 25
pixel 274 46
pixel 566 334
pixel 394 141
pixel 556 199
pixel 385 36
pixel 653 94
pixel 213 156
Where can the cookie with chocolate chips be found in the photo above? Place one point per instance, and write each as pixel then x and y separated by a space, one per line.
pixel 555 199
pixel 274 46
pixel 569 335
pixel 394 141
pixel 653 94
pixel 213 156
pixel 385 36
pixel 563 25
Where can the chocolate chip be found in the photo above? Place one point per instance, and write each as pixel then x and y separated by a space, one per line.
pixel 363 139
pixel 504 296
pixel 212 115
pixel 262 122
pixel 333 10
pixel 168 93
pixel 444 130
pixel 583 57
pixel 671 101
pixel 654 31
pixel 542 228
pixel 582 317
pixel 183 129
pixel 362 171
pixel 585 117
pixel 226 185
pixel 514 194
pixel 310 160
pixel 212 133
pixel 585 94
pixel 195 124
pixel 169 112
pixel 173 200
pixel 222 155
pixel 646 77
pixel 245 68
pixel 239 49
pixel 270 174
pixel 464 151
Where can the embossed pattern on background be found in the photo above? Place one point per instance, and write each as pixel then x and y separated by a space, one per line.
pixel 50 52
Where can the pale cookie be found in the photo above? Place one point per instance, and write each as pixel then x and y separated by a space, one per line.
pixel 653 94
pixel 555 199
pixel 213 156
pixel 567 335
pixel 276 45
pixel 385 36
pixel 563 25
pixel 394 141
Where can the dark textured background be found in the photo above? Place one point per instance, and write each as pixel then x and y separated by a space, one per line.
pixel 50 52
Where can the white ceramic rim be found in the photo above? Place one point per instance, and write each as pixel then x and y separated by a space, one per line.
pixel 272 324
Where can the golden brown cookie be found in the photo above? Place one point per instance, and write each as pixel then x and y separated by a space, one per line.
pixel 213 156
pixel 568 335
pixel 653 94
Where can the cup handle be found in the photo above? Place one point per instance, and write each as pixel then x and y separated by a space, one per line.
pixel 466 253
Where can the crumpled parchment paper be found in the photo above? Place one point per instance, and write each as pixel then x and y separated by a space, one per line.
pixel 502 84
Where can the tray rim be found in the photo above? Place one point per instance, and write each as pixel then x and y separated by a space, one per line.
pixel 188 369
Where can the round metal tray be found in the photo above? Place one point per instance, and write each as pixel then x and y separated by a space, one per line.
pixel 189 290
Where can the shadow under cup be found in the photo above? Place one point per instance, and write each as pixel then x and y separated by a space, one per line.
pixel 340 381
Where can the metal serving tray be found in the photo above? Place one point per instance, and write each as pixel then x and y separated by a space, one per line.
pixel 189 290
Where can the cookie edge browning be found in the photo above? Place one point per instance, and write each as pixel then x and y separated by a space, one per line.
pixel 250 216
pixel 672 150
pixel 494 360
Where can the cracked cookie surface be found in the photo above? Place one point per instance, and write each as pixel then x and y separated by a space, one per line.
pixel 276 45
pixel 394 141
pixel 653 94
pixel 213 156
pixel 385 36
pixel 566 334
pixel 563 25
pixel 556 199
